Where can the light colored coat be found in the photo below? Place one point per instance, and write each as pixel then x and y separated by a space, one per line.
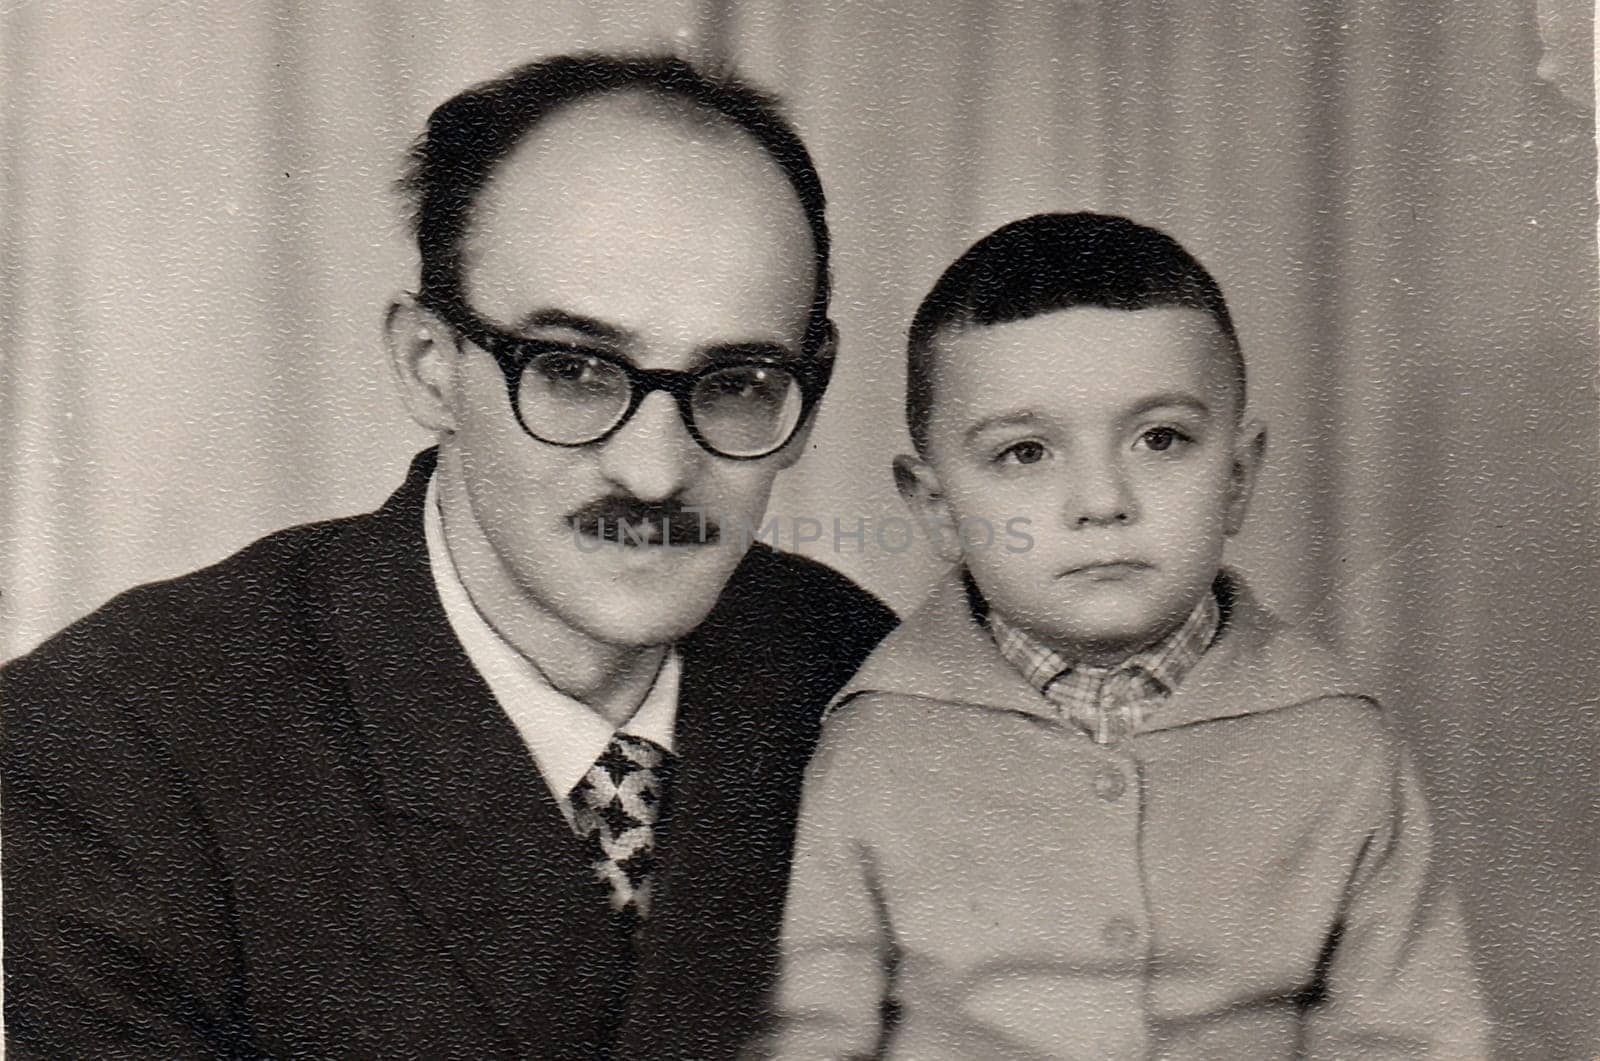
pixel 1249 878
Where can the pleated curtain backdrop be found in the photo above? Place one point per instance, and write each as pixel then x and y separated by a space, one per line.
pixel 199 234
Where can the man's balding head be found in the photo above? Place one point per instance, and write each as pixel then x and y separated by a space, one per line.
pixel 471 134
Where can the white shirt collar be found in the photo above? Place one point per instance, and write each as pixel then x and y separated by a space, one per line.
pixel 564 736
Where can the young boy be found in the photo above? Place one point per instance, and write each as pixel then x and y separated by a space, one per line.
pixel 1091 799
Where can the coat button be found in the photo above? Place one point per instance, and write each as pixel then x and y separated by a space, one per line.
pixel 1120 934
pixel 1108 784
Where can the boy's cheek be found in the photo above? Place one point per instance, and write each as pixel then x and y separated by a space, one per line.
pixel 1013 545
pixel 1012 572
pixel 998 500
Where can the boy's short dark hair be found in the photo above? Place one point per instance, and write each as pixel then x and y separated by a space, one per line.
pixel 1051 262
pixel 468 135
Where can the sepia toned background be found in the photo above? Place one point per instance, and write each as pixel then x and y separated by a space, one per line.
pixel 199 234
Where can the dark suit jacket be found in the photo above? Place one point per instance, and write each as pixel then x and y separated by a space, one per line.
pixel 269 808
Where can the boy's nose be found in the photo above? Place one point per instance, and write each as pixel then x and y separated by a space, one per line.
pixel 1100 497
pixel 652 456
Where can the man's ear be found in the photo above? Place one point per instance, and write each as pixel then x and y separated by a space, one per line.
pixel 422 352
pixel 795 448
pixel 919 488
pixel 1249 450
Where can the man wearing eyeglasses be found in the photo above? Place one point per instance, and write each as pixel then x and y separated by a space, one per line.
pixel 510 766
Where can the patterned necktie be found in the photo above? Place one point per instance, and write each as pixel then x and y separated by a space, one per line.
pixel 615 807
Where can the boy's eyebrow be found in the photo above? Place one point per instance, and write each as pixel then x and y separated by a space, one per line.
pixel 1169 399
pixel 989 423
pixel 1164 400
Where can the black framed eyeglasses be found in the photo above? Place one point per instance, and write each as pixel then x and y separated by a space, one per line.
pixel 570 394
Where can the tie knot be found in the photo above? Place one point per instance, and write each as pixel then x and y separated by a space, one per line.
pixel 627 753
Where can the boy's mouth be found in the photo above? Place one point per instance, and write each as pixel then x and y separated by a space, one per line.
pixel 1106 570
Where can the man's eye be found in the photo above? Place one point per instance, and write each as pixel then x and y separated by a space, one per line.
pixel 1022 453
pixel 1160 439
pixel 576 373
pixel 745 384
pixel 568 368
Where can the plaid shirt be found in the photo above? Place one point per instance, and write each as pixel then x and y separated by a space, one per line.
pixel 1110 703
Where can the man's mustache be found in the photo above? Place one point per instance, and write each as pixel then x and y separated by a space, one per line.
pixel 631 521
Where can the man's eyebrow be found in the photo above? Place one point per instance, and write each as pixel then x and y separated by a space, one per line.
pixel 616 335
pixel 574 322
pixel 752 350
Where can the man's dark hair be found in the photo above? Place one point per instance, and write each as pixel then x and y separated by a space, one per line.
pixel 1051 262
pixel 469 134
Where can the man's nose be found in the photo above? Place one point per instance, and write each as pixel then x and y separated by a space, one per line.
pixel 652 456
pixel 1100 495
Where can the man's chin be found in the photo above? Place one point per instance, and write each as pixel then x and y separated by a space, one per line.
pixel 638 621
pixel 651 595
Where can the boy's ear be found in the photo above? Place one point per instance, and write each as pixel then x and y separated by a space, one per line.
pixel 422 352
pixel 1249 449
pixel 919 487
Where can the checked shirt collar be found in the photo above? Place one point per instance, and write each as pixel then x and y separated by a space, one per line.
pixel 1110 703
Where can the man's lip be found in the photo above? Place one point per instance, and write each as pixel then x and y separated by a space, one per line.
pixel 642 536
pixel 1107 568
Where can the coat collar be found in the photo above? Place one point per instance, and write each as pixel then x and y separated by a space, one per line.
pixel 942 652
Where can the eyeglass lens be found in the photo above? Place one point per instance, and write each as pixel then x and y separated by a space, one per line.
pixel 570 398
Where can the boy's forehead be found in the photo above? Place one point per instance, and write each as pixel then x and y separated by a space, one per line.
pixel 1085 355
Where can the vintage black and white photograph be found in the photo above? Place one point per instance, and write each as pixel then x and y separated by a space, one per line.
pixel 711 529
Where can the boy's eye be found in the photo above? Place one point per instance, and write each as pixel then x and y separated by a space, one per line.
pixel 1021 453
pixel 1160 439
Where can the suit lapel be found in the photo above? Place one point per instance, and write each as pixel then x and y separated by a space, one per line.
pixel 723 865
pixel 471 835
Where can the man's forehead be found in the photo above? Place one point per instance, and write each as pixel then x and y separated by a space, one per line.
pixel 633 165
pixel 634 131
pixel 626 209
